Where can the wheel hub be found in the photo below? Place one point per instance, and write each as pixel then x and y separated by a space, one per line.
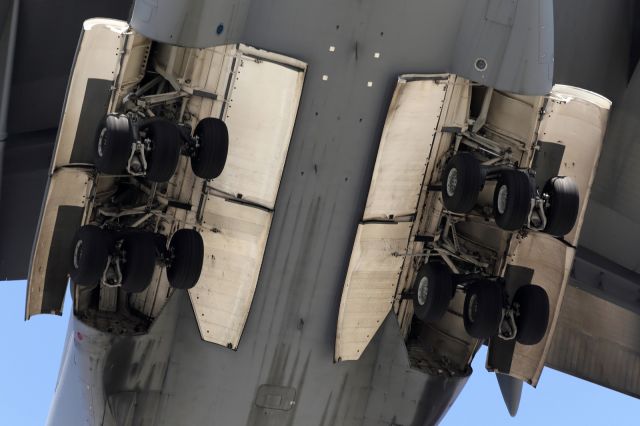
pixel 77 253
pixel 503 193
pixel 102 141
pixel 472 311
pixel 423 290
pixel 452 181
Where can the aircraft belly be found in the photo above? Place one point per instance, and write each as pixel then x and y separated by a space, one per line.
pixel 112 380
pixel 288 341
pixel 302 386
pixel 287 348
pixel 170 376
pixel 290 332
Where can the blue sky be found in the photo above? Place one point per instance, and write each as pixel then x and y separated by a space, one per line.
pixel 30 355
pixel 31 351
pixel 559 399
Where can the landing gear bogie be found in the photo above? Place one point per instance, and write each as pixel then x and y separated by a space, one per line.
pixel 129 145
pixel 488 314
pixel 129 258
pixel 517 203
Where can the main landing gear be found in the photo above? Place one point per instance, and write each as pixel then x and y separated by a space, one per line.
pixel 128 258
pixel 152 147
pixel 487 311
pixel 517 203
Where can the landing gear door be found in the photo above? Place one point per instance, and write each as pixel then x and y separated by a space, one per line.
pixel 385 237
pixel 262 92
pixel 62 215
pixel 370 285
pixel 551 272
pixel 575 121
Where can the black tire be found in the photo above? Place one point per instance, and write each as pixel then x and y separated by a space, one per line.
pixel 89 255
pixel 211 155
pixel 113 145
pixel 432 292
pixel 140 253
pixel 563 205
pixel 462 181
pixel 483 309
pixel 512 200
pixel 187 249
pixel 532 316
pixel 163 158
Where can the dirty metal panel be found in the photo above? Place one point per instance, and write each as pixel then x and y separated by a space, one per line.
pixel 272 397
pixel 135 408
pixel 501 11
pixel 260 110
pixel 513 116
pixel 576 119
pixel 597 341
pixel 551 261
pixel 407 138
pixel 370 286
pixel 61 216
pixel 234 237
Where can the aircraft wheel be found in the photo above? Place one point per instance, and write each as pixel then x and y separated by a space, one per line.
pixel 162 159
pixel 563 205
pixel 482 309
pixel 432 291
pixel 462 181
pixel 139 250
pixel 532 314
pixel 113 145
pixel 89 256
pixel 187 250
pixel 211 155
pixel 512 200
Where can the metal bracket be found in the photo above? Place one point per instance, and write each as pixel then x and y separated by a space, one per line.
pixel 113 266
pixel 482 117
pixel 508 328
pixel 139 149
pixel 537 208
pixel 409 254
